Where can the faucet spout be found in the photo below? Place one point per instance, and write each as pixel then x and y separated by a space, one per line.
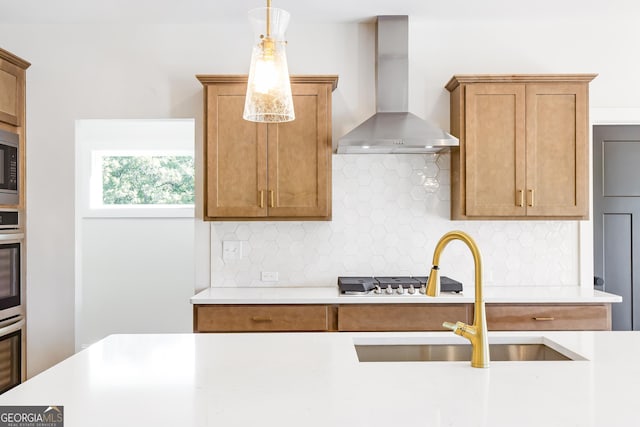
pixel 477 332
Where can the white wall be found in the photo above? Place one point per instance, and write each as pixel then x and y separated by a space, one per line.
pixel 136 277
pixel 146 71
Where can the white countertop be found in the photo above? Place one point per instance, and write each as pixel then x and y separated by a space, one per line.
pixel 315 379
pixel 330 295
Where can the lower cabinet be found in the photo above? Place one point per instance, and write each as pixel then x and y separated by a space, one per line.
pixel 262 318
pixel 396 317
pixel 400 317
pixel 548 317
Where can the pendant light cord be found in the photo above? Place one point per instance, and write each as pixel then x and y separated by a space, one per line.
pixel 268 18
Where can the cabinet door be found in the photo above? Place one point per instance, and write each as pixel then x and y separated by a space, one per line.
pixel 557 149
pixel 236 177
pixel 495 149
pixel 11 92
pixel 299 156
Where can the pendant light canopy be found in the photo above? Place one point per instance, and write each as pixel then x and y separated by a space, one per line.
pixel 269 89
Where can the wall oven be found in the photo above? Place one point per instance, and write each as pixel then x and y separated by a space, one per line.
pixel 12 353
pixel 12 322
pixel 9 161
pixel 11 288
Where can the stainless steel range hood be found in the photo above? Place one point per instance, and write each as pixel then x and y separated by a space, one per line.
pixel 393 129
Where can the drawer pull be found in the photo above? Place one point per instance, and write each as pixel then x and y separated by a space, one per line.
pixel 544 318
pixel 261 319
pixel 261 199
pixel 272 203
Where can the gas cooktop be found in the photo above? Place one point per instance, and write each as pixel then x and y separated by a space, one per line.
pixel 389 285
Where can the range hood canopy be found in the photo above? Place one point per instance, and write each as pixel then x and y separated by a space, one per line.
pixel 393 129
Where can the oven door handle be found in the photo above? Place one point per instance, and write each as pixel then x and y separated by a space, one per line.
pixel 11 325
pixel 11 237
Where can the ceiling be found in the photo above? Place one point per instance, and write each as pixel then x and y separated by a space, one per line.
pixel 196 11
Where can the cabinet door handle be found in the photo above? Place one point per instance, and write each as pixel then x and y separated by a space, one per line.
pixel 530 201
pixel 271 199
pixel 543 319
pixel 520 198
pixel 261 198
pixel 261 319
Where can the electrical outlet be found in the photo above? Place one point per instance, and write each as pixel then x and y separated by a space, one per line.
pixel 231 250
pixel 269 276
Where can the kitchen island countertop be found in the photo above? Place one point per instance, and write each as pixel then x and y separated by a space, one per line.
pixel 315 379
pixel 330 295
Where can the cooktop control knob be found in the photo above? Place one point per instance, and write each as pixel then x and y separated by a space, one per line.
pixel 412 290
pixel 423 289
pixel 389 290
pixel 400 290
pixel 377 290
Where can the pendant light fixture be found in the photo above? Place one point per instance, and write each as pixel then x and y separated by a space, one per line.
pixel 269 89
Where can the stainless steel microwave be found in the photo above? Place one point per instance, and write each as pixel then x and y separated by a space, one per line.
pixel 9 162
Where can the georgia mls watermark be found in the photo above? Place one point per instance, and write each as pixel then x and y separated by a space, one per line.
pixel 31 416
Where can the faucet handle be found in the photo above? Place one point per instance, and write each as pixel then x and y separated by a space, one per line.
pixel 462 329
pixel 450 325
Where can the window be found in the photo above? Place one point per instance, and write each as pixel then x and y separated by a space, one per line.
pixel 130 179
pixel 147 179
pixel 136 168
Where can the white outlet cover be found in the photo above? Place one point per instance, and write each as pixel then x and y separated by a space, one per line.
pixel 231 250
pixel 269 276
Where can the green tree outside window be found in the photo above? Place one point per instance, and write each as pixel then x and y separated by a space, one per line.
pixel 148 180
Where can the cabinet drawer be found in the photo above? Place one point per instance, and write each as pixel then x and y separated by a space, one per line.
pixel 548 317
pixel 255 318
pixel 399 317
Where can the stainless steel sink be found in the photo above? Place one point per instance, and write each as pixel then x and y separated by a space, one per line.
pixel 455 352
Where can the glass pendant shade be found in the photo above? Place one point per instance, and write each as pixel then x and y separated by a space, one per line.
pixel 269 89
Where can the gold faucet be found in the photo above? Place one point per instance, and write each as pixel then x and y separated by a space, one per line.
pixel 476 333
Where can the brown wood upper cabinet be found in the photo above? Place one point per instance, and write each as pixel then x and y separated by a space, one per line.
pixel 523 146
pixel 12 88
pixel 257 170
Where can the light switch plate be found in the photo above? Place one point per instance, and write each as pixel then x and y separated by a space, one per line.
pixel 231 250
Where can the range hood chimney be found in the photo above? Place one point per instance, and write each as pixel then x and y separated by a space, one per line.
pixel 393 129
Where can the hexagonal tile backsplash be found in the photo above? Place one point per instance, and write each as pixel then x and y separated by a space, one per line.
pixel 389 211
